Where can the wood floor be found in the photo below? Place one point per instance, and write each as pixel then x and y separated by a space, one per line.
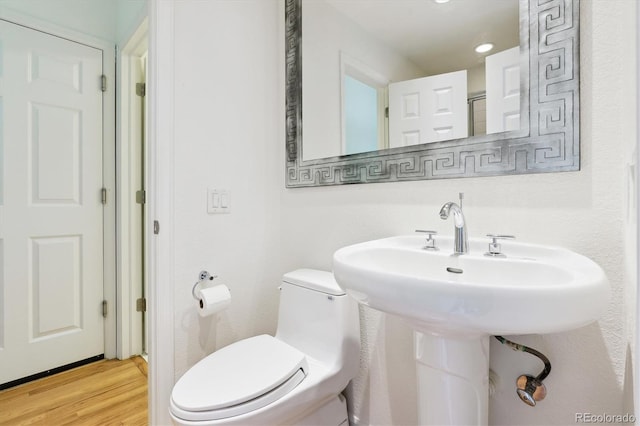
pixel 107 392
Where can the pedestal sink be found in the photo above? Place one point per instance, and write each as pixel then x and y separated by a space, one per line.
pixel 455 302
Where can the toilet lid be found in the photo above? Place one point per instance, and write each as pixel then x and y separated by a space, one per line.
pixel 237 373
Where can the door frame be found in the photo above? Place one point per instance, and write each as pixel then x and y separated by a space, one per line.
pixel 159 255
pixel 352 67
pixel 129 333
pixel 108 157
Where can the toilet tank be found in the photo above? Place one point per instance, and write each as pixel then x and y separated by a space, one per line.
pixel 318 318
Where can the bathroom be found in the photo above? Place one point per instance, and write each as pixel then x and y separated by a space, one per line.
pixel 217 120
pixel 272 229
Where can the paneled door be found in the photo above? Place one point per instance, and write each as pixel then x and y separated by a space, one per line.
pixel 428 109
pixel 51 211
pixel 502 72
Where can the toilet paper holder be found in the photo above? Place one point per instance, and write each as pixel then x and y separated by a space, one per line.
pixel 203 276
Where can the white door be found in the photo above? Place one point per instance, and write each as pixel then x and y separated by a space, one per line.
pixel 503 90
pixel 428 109
pixel 51 215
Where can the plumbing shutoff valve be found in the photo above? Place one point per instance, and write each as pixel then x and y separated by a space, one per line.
pixel 530 390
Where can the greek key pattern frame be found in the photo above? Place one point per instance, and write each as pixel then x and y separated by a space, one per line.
pixel 549 140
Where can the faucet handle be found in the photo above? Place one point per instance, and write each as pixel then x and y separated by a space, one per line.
pixel 494 247
pixel 430 244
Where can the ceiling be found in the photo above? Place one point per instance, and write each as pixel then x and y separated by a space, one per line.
pixel 437 37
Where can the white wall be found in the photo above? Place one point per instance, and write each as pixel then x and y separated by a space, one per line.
pixel 104 19
pixel 229 133
pixel 96 18
pixel 327 33
pixel 129 15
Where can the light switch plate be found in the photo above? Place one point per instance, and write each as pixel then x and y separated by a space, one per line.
pixel 218 201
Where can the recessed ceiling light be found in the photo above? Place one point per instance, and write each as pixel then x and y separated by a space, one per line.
pixel 484 47
pixel 441 1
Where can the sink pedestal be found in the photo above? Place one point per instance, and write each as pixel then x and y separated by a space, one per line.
pixel 453 379
pixel 455 302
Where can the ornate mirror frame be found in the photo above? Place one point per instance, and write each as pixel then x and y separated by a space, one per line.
pixel 548 141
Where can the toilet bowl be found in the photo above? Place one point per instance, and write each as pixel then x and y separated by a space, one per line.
pixel 294 378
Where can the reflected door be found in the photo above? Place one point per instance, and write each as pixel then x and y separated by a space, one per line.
pixel 51 214
pixel 428 109
pixel 503 90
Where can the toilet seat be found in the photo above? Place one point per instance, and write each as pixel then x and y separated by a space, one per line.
pixel 238 378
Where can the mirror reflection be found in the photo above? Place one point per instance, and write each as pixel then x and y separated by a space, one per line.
pixel 391 73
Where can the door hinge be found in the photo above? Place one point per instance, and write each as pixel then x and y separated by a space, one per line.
pixel 103 195
pixel 141 197
pixel 386 112
pixel 156 227
pixel 103 83
pixel 141 305
pixel 105 309
pixel 141 89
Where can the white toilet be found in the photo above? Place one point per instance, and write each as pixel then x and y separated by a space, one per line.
pixel 294 378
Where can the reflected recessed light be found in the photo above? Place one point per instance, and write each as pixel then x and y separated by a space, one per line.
pixel 484 47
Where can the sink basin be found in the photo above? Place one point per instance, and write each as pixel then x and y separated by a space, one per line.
pixel 455 302
pixel 534 289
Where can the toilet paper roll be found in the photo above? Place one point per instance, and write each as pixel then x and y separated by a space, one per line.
pixel 213 300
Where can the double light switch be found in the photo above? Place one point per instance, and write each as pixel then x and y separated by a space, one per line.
pixel 218 201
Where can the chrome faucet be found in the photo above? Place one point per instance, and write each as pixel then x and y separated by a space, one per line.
pixel 461 244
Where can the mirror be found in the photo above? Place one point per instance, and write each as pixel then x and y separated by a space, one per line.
pixel 543 138
pixel 391 73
